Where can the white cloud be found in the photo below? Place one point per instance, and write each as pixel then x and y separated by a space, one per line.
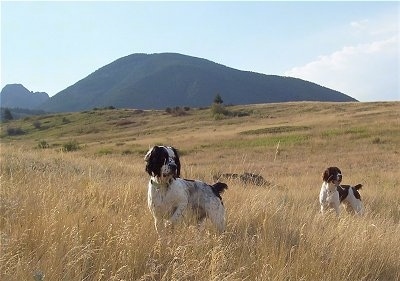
pixel 367 72
pixel 359 25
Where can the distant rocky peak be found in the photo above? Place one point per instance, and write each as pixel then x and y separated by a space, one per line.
pixel 17 96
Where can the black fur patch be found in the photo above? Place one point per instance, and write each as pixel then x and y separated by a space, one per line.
pixel 331 174
pixel 218 188
pixel 156 160
pixel 355 190
pixel 344 191
pixel 158 157
pixel 177 162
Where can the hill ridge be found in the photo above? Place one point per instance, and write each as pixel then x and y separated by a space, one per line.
pixel 157 81
pixel 17 96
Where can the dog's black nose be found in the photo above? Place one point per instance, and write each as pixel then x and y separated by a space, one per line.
pixel 172 166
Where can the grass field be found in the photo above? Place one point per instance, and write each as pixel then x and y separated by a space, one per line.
pixel 82 214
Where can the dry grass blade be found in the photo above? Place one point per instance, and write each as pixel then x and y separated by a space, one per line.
pixel 82 215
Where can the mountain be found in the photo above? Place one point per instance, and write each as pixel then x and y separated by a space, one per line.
pixel 158 81
pixel 17 96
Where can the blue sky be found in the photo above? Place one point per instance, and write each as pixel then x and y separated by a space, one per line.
pixel 352 47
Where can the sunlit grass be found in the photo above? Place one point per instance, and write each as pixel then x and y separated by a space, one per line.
pixel 83 215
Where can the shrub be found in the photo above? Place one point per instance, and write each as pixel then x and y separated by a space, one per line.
pixel 127 152
pixel 219 109
pixel 124 122
pixel 37 124
pixel 219 116
pixel 6 115
pixel 11 131
pixel 105 151
pixel 110 107
pixel 377 140
pixel 177 111
pixel 242 113
pixel 218 99
pixel 65 120
pixel 43 144
pixel 70 146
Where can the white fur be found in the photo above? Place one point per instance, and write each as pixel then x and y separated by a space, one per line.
pixel 169 202
pixel 329 198
pixel 352 203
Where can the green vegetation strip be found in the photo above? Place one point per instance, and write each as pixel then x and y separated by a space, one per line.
pixel 357 131
pixel 275 130
pixel 259 142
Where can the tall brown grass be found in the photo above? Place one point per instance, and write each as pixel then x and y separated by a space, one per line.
pixel 84 216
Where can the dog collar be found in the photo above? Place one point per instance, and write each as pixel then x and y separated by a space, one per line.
pixel 160 185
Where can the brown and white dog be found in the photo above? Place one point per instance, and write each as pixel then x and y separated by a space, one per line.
pixel 170 197
pixel 332 193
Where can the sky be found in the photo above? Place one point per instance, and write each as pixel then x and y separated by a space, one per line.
pixel 351 47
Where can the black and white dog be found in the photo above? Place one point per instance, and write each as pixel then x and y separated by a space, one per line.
pixel 170 197
pixel 333 193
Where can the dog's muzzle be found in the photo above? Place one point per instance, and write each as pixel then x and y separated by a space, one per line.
pixel 338 179
pixel 335 179
pixel 172 167
pixel 169 168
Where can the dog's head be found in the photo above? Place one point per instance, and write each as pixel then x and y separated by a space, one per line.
pixel 162 162
pixel 332 175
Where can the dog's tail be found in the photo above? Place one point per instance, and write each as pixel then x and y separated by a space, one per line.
pixel 219 188
pixel 358 186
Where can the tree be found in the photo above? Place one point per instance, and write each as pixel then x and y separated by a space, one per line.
pixel 7 116
pixel 218 99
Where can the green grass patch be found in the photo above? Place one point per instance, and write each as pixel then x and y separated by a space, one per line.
pixel 239 143
pixel 104 151
pixel 275 130
pixel 355 133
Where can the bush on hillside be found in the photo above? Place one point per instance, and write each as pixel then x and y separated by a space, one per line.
pixel 177 111
pixel 11 131
pixel 6 115
pixel 218 110
pixel 70 146
pixel 37 124
pixel 43 144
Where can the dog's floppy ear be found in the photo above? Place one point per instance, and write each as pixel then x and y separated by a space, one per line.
pixel 151 166
pixel 148 154
pixel 177 162
pixel 330 173
pixel 326 176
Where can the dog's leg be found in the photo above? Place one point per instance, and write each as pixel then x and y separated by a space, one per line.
pixel 178 214
pixel 355 204
pixel 335 201
pixel 360 209
pixel 337 209
pixel 217 217
pixel 201 225
pixel 158 224
pixel 322 209
pixel 220 224
pixel 323 199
